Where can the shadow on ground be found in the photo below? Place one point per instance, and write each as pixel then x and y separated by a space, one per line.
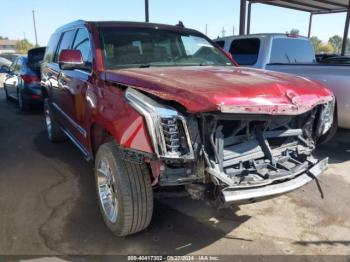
pixel 337 149
pixel 84 232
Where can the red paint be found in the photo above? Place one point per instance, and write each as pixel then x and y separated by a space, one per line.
pixel 70 56
pixel 30 79
pixel 98 99
pixel 204 89
pixel 35 97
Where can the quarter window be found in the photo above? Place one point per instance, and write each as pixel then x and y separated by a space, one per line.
pixel 245 51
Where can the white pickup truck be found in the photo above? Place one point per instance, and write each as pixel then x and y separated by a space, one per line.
pixel 294 55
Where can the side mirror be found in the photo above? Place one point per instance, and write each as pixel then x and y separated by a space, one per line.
pixel 71 59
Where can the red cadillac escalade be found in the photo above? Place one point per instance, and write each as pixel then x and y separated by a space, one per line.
pixel 157 105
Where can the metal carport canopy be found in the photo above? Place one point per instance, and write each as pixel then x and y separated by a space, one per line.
pixel 314 7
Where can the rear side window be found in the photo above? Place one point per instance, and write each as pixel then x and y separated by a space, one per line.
pixel 82 43
pixel 220 43
pixel 51 48
pixel 245 51
pixel 292 51
pixel 65 43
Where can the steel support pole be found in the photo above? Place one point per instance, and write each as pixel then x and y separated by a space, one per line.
pixel 242 19
pixel 310 24
pixel 249 17
pixel 146 11
pixel 346 31
pixel 36 36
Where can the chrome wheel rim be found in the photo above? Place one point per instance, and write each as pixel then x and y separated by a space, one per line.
pixel 106 190
pixel 48 122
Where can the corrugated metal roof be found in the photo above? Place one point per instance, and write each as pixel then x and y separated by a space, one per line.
pixel 312 6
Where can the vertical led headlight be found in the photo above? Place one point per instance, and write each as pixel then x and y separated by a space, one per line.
pixel 167 128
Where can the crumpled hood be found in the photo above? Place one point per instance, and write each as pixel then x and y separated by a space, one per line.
pixel 229 89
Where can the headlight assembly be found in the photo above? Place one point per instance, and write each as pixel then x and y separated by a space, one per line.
pixel 167 128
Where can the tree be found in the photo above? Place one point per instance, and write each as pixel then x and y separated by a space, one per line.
pixel 3 38
pixel 294 31
pixel 22 46
pixel 336 41
pixel 316 42
pixel 326 48
pixel 348 47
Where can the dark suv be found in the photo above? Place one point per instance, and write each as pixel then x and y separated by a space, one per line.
pixel 158 106
pixel 22 82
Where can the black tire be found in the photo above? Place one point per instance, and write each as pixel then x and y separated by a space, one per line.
pixel 130 190
pixel 54 132
pixel 331 132
pixel 8 98
pixel 22 103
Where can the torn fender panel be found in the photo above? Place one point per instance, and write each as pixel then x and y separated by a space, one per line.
pixel 125 124
pixel 205 89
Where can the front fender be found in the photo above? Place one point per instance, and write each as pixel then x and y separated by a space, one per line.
pixel 123 122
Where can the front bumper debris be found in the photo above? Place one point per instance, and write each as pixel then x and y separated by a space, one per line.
pixel 231 195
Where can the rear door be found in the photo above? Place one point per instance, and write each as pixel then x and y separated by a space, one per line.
pixel 76 83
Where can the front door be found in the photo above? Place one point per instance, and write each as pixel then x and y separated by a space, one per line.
pixel 56 76
pixel 73 85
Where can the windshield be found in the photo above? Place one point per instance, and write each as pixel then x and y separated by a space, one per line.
pixel 125 47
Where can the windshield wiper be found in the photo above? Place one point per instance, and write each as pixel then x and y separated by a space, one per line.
pixel 205 64
pixel 145 66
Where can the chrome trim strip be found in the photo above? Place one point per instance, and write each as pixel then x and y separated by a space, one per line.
pixel 81 130
pixel 85 152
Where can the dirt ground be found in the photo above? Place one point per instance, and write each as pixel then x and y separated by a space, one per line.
pixel 49 206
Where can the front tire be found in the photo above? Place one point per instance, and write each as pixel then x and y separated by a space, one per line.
pixel 331 132
pixel 54 132
pixel 124 191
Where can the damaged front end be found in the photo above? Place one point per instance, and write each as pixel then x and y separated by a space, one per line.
pixel 257 156
pixel 246 156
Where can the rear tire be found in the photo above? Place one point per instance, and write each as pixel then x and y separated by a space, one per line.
pixel 22 103
pixel 124 191
pixel 54 132
pixel 8 98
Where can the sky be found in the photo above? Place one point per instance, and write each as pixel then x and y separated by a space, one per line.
pixel 217 14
